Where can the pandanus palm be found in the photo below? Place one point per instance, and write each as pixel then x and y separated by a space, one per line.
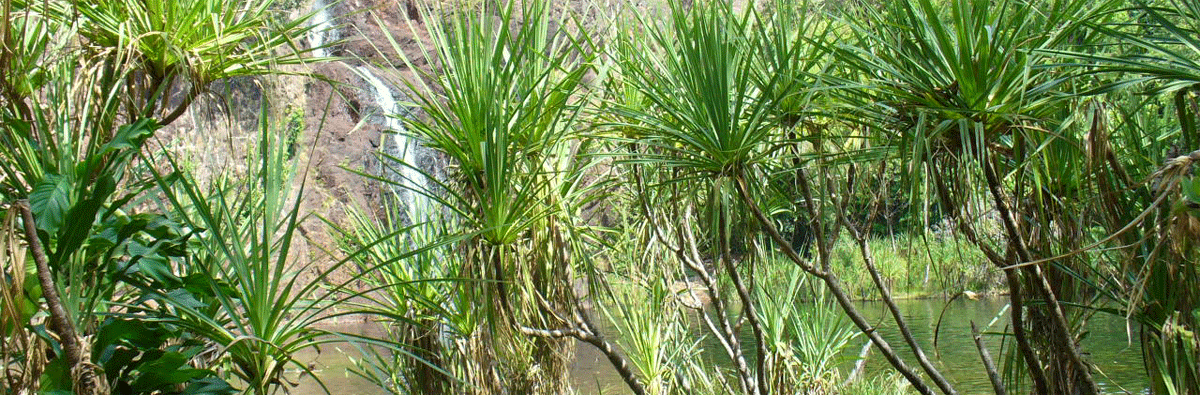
pixel 708 121
pixel 501 109
pixel 1149 172
pixel 180 47
pixel 242 290
pixel 729 112
pixel 72 73
pixel 967 97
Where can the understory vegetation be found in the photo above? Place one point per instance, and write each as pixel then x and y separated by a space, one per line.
pixel 704 192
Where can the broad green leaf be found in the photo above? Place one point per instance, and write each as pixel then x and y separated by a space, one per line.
pixel 164 372
pixel 50 201
pixel 209 386
pixel 81 217
pixel 132 136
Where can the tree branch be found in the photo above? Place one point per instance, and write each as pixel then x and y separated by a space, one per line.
pixel 1056 312
pixel 751 313
pixel 997 384
pixel 869 260
pixel 687 251
pixel 834 285
pixel 606 348
pixel 193 93
pixel 1032 364
pixel 901 324
pixel 691 258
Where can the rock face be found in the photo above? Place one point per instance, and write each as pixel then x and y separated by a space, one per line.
pixel 337 119
pixel 349 106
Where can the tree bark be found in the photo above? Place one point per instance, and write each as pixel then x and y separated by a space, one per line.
pixel 85 380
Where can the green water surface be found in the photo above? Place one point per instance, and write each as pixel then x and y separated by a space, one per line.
pixel 1107 345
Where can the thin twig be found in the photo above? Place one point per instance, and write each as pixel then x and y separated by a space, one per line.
pixel 997 384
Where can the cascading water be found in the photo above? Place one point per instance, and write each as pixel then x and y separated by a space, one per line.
pixel 414 185
pixel 323 30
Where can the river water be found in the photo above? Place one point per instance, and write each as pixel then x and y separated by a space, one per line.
pixel 1107 346
pixel 1117 359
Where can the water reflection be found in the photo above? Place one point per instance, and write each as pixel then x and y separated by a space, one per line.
pixel 1106 344
pixel 332 364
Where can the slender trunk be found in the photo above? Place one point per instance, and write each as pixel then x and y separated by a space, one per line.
pixel 834 285
pixel 84 377
pixel 1061 331
pixel 751 313
pixel 933 373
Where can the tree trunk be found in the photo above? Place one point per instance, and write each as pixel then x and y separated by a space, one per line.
pixel 82 374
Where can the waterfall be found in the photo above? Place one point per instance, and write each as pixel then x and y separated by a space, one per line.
pixel 323 29
pixel 413 184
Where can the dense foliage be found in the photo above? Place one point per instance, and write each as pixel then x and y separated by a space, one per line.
pixel 755 164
